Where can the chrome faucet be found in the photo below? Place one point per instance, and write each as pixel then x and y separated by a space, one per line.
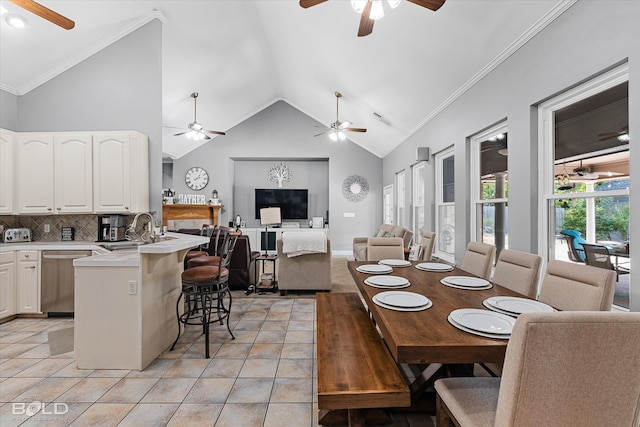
pixel 150 231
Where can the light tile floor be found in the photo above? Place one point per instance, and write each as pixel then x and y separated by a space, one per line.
pixel 265 377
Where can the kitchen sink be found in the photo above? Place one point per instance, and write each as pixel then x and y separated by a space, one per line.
pixel 118 246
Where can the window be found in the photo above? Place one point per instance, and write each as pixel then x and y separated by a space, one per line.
pixel 445 205
pixel 585 182
pixel 418 171
pixel 490 186
pixel 400 206
pixel 387 208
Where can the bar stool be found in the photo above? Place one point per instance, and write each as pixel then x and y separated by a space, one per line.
pixel 207 287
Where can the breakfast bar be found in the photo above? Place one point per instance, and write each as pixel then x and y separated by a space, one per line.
pixel 125 303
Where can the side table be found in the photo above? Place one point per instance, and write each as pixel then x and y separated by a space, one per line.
pixel 267 281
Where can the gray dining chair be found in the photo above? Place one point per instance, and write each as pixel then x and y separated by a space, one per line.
pixel 518 271
pixel 427 241
pixel 478 259
pixel 599 256
pixel 569 286
pixel 560 369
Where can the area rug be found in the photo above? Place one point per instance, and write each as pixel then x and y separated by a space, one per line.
pixel 60 341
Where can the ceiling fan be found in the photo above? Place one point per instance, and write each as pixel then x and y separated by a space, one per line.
pixel 371 10
pixel 195 130
pixel 589 172
pixel 45 13
pixel 338 128
pixel 622 135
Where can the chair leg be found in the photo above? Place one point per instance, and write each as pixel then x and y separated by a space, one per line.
pixel 178 316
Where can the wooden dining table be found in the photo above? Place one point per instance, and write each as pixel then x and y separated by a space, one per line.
pixel 427 337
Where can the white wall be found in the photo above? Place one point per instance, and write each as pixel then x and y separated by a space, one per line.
pixel 589 38
pixel 118 88
pixel 282 133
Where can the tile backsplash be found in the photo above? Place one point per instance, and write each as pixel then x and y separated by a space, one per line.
pixel 85 226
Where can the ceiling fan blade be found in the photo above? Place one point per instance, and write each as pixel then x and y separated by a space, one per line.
pixel 366 23
pixel 354 129
pixel 178 134
pixel 429 4
pixel 324 133
pixel 309 3
pixel 45 13
pixel 215 132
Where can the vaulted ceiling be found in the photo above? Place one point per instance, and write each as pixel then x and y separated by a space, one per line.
pixel 243 55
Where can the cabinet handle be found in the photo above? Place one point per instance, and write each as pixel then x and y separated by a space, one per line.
pixel 26 255
pixel 32 267
pixel 126 207
pixel 48 209
pixel 59 208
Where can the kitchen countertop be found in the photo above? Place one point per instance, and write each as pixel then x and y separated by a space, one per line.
pixel 123 258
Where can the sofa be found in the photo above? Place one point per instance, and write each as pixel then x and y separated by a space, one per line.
pixel 304 272
pixel 360 244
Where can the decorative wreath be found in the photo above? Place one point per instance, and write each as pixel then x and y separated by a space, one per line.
pixel 355 188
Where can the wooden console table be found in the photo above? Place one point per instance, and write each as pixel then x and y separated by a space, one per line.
pixel 189 212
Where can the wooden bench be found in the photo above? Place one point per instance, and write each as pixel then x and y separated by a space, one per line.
pixel 355 369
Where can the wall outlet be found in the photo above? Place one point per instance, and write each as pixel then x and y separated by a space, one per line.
pixel 47 228
pixel 349 214
pixel 133 287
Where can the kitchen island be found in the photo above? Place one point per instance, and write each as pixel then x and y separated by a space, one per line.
pixel 125 303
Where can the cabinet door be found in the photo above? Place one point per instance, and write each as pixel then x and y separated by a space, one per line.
pixel 34 173
pixel 7 285
pixel 6 172
pixel 73 173
pixel 28 286
pixel 111 172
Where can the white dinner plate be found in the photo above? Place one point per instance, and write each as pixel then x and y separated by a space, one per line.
pixel 434 266
pixel 485 321
pixel 402 299
pixel 394 262
pixel 374 269
pixel 467 288
pixel 391 307
pixel 466 281
pixel 482 334
pixel 387 281
pixel 518 305
pixel 490 307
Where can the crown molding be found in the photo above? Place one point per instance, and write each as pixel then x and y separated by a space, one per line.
pixel 91 50
pixel 536 28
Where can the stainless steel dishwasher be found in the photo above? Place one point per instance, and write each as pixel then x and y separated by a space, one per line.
pixel 57 281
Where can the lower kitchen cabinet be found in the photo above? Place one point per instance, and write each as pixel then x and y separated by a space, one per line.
pixel 28 283
pixel 7 285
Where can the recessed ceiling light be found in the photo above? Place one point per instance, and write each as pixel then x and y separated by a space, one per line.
pixel 3 10
pixel 16 21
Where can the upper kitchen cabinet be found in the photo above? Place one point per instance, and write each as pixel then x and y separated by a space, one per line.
pixel 53 173
pixel 34 173
pixel 73 173
pixel 120 172
pixel 6 172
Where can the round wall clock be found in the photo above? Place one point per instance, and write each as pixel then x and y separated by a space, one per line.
pixel 196 178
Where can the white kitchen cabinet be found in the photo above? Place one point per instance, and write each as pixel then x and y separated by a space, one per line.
pixel 28 283
pixel 120 172
pixel 73 173
pixel 7 285
pixel 6 172
pixel 34 173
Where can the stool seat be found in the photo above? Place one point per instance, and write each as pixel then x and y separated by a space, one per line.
pixel 203 260
pixel 203 274
pixel 193 254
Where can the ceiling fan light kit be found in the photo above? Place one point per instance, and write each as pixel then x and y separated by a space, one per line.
pixel 337 129
pixel 195 131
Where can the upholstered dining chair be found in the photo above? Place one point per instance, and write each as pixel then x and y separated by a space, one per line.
pixel 568 286
pixel 560 369
pixel 379 248
pixel 478 259
pixel 518 271
pixel 427 241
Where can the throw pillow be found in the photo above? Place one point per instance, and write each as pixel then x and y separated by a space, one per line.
pixel 380 233
pixel 389 235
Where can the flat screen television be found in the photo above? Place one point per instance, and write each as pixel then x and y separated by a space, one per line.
pixel 293 204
